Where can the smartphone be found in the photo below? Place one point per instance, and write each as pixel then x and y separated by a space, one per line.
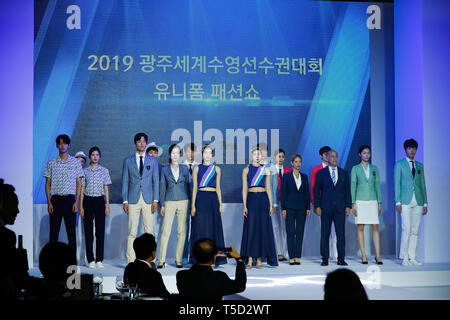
pixel 224 250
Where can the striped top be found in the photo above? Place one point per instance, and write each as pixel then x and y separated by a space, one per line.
pixel 256 176
pixel 206 176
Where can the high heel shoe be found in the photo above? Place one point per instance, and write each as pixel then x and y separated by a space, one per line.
pixel 364 262
pixel 259 265
pixel 378 261
pixel 291 262
pixel 249 263
pixel 161 265
pixel 179 265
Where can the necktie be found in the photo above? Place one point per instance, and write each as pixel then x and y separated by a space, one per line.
pixel 413 169
pixel 333 175
pixel 279 173
pixel 190 169
pixel 141 165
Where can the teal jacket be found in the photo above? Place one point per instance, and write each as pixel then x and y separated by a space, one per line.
pixel 405 185
pixel 363 188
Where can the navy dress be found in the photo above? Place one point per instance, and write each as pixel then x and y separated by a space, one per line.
pixel 257 236
pixel 207 222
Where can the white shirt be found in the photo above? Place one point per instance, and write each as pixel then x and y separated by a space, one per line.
pixel 324 164
pixel 279 168
pixel 410 164
pixel 335 172
pixel 176 173
pixel 366 170
pixel 193 164
pixel 138 159
pixel 149 265
pixel 298 181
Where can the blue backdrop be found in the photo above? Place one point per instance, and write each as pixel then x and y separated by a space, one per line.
pixel 299 67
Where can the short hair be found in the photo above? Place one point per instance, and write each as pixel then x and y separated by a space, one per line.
pixel 144 246
pixel 279 151
pixel 65 138
pixel 138 137
pixel 331 150
pixel 54 260
pixel 205 250
pixel 152 148
pixel 344 284
pixel 95 148
pixel 324 149
pixel 173 146
pixel 296 156
pixel 361 148
pixel 190 146
pixel 410 143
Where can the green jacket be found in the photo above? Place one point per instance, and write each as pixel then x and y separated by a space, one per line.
pixel 405 185
pixel 363 188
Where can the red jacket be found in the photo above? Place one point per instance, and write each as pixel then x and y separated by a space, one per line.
pixel 313 179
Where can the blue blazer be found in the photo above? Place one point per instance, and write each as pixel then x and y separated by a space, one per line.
pixel 133 184
pixel 293 198
pixel 171 190
pixel 326 195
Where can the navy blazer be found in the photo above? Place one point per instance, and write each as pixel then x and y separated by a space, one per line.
pixel 171 190
pixel 293 198
pixel 326 195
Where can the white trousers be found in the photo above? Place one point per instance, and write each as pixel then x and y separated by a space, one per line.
pixel 172 208
pixel 411 215
pixel 279 232
pixel 134 213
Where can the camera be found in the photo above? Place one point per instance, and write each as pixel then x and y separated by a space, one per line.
pixel 226 250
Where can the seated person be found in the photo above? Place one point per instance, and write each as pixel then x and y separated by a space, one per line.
pixel 54 260
pixel 142 271
pixel 13 270
pixel 201 282
pixel 344 284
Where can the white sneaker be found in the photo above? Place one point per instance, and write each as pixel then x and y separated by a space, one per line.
pixel 414 262
pixel 99 265
pixel 91 265
pixel 405 262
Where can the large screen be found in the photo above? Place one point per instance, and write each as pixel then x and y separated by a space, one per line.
pixel 292 74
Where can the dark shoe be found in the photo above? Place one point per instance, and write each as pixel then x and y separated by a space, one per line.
pixel 162 265
pixel 378 261
pixel 297 263
pixel 291 263
pixel 179 265
pixel 324 262
pixel 342 263
pixel 364 262
pixel 281 258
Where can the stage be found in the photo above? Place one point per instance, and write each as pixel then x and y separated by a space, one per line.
pixel 430 281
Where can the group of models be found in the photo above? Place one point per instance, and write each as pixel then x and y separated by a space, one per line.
pixel 276 201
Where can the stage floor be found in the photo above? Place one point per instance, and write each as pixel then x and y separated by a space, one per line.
pixel 390 281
